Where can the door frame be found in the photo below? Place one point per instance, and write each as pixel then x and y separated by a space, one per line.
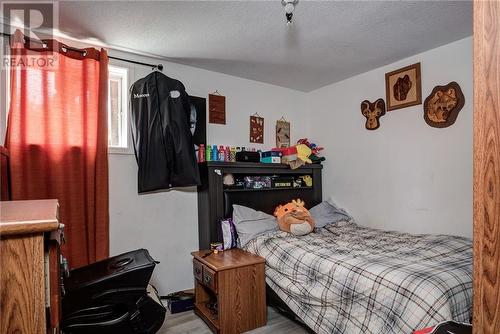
pixel 486 304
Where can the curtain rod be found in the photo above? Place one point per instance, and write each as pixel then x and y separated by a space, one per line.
pixel 153 66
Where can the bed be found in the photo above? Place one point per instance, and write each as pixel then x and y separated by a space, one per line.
pixel 345 278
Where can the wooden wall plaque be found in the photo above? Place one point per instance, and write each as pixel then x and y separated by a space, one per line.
pixel 216 109
pixel 442 106
pixel 373 112
pixel 257 129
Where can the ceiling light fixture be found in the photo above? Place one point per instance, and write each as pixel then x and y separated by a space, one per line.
pixel 289 8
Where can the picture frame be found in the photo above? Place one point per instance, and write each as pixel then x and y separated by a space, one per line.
pixel 216 108
pixel 257 129
pixel 403 87
pixel 282 133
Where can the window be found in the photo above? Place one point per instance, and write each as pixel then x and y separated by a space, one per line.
pixel 118 134
pixel 119 140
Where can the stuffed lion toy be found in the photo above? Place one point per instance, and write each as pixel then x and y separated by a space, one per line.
pixel 294 218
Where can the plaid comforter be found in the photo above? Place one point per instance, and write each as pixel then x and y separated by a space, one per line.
pixel 350 279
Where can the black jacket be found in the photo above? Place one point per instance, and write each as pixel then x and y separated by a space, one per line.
pixel 161 134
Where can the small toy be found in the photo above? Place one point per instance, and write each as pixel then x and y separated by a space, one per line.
pixel 303 153
pixel 315 149
pixel 294 218
pixel 216 247
pixel 307 180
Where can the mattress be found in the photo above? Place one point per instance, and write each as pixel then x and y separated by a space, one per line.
pixel 345 278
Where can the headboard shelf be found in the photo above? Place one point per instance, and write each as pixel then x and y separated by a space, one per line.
pixel 224 164
pixel 268 189
pixel 215 200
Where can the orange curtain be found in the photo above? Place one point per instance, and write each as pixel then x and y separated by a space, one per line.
pixel 57 138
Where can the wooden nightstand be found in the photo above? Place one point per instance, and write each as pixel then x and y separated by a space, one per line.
pixel 230 290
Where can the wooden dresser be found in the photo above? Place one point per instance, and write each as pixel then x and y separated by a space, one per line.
pixel 30 272
pixel 230 290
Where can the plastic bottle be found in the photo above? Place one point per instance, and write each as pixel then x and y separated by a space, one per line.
pixel 208 153
pixel 215 153
pixel 221 153
pixel 233 154
pixel 227 154
pixel 201 153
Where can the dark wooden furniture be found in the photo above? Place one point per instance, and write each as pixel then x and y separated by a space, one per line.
pixel 29 262
pixel 235 280
pixel 486 317
pixel 215 201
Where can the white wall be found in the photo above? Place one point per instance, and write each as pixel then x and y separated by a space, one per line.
pixel 167 223
pixel 405 175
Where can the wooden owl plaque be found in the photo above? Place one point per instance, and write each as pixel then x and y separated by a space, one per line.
pixel 442 106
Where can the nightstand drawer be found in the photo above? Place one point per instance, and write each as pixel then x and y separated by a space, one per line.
pixel 209 278
pixel 197 270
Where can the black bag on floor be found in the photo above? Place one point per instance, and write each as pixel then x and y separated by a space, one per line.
pixel 113 296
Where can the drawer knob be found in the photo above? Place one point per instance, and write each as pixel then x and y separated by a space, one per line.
pixel 197 270
pixel 207 279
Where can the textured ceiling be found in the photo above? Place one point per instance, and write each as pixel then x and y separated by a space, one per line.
pixel 328 42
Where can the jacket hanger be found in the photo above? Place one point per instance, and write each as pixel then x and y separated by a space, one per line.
pixel 158 67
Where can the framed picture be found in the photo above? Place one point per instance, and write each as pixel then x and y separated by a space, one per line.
pixel 403 87
pixel 256 129
pixel 216 108
pixel 282 133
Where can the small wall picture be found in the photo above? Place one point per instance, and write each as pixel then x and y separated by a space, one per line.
pixel 403 87
pixel 216 108
pixel 256 129
pixel 373 112
pixel 282 133
pixel 442 106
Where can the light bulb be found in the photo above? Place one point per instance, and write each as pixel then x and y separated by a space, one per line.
pixel 289 7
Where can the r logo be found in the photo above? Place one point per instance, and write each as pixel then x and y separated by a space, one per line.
pixel 36 20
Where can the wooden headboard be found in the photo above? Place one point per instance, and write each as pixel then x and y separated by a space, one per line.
pixel 215 201
pixel 266 201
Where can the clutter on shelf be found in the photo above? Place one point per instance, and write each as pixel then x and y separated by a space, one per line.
pixel 245 182
pixel 304 152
